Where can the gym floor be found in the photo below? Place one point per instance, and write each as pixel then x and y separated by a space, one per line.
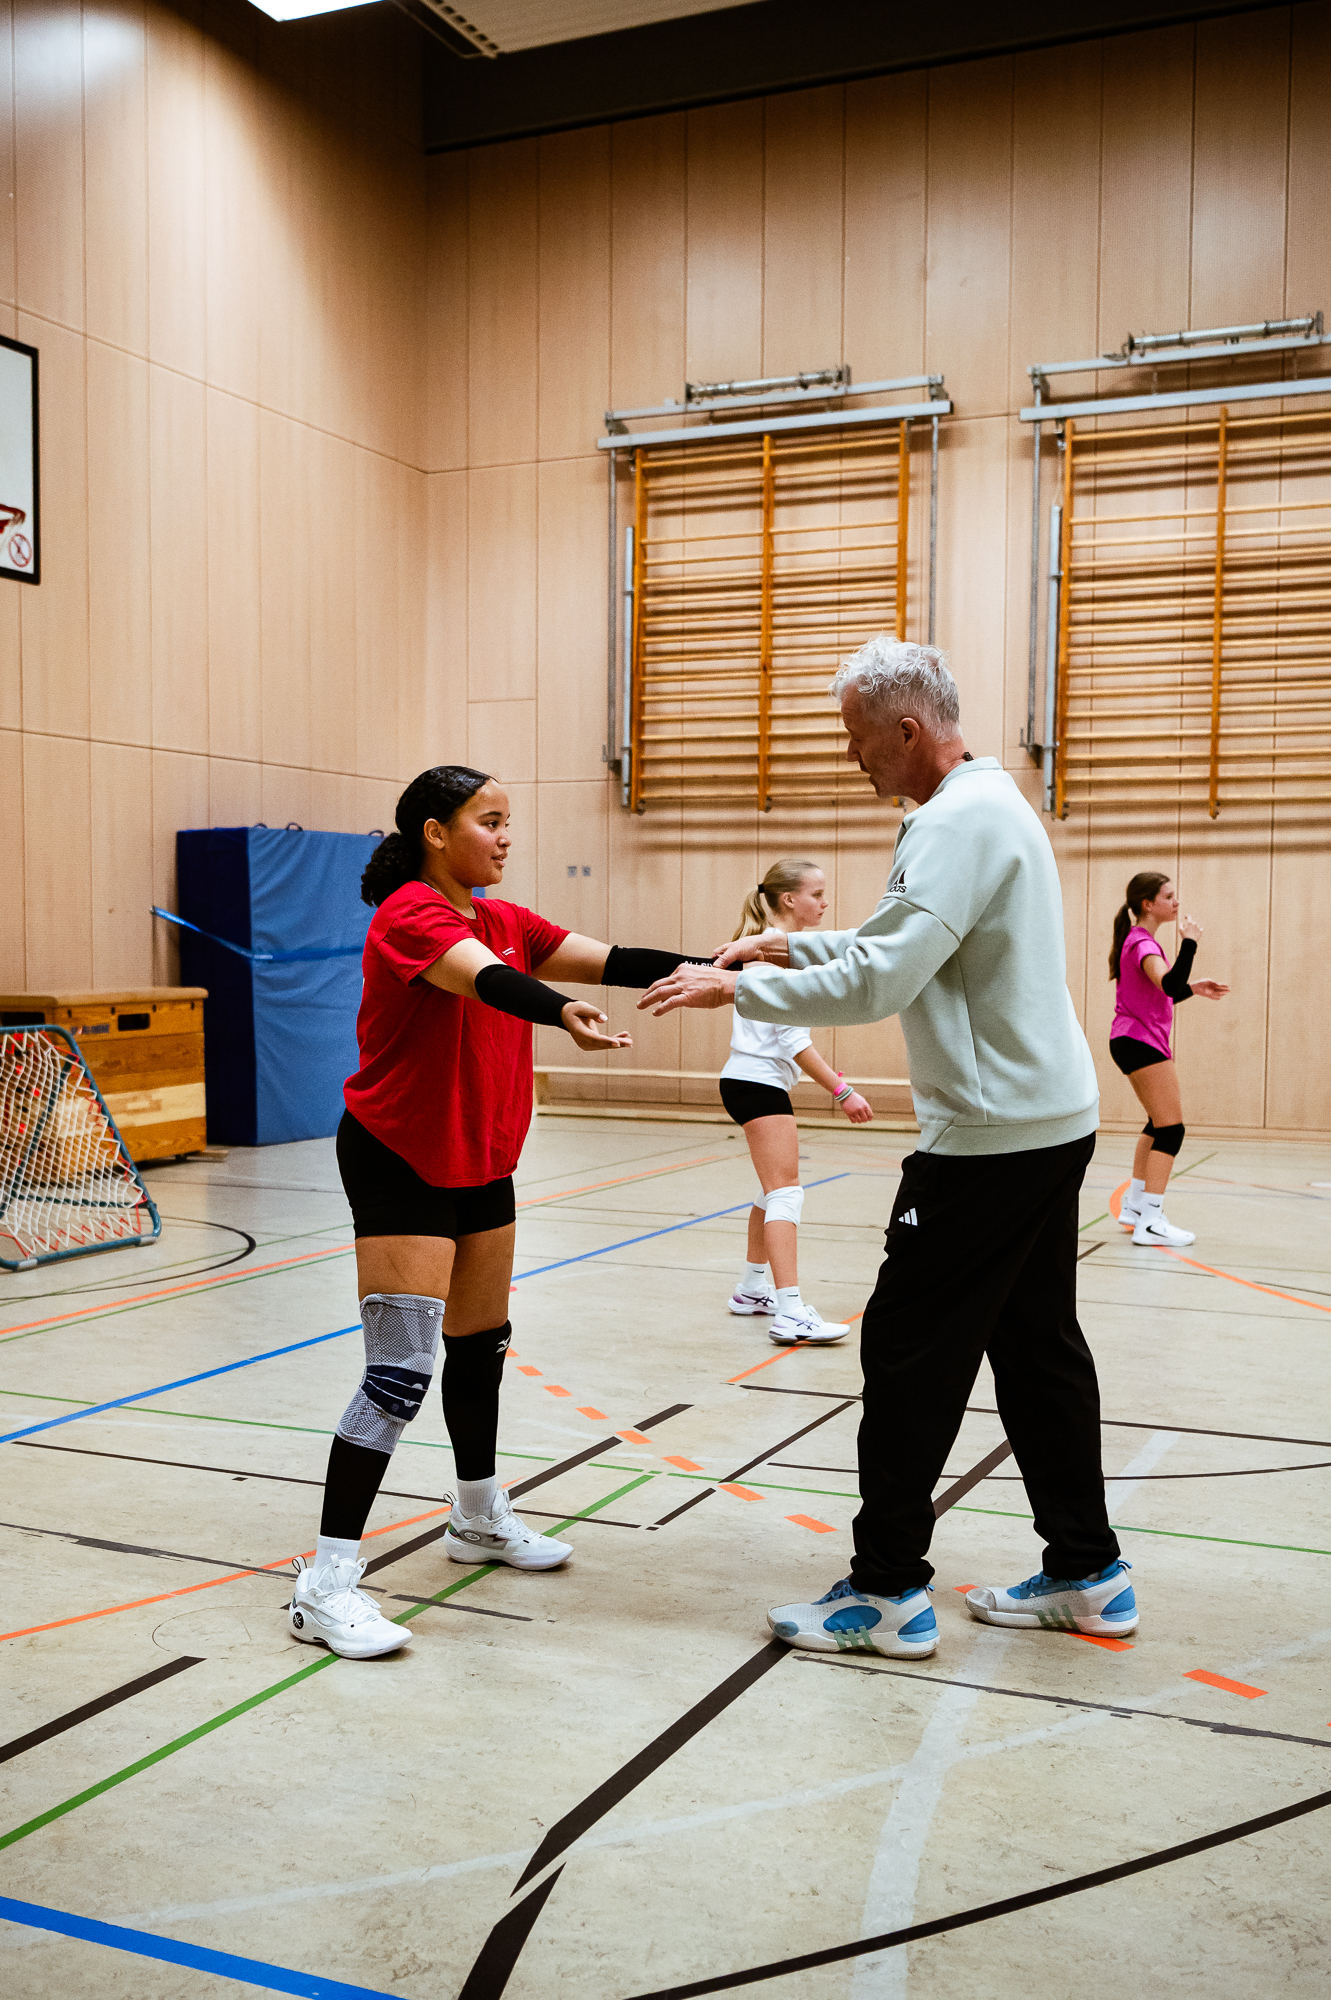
pixel 637 1794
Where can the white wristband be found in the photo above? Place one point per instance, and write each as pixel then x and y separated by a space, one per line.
pixel 840 1096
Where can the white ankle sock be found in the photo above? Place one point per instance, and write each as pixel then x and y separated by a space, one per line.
pixel 788 1299
pixel 478 1496
pixel 753 1278
pixel 1136 1189
pixel 328 1550
pixel 1152 1204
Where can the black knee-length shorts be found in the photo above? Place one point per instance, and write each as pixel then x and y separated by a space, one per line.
pixel 389 1198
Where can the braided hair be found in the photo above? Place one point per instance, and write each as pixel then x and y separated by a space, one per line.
pixel 435 794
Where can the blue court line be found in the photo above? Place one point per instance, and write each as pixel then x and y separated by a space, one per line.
pixel 608 1248
pixel 145 1944
pixel 227 1368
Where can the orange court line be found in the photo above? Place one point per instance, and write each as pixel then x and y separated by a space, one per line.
pixel 807 1521
pixel 174 1291
pixel 1116 1202
pixel 527 1369
pixel 599 1416
pixel 740 1492
pixel 1110 1645
pixel 1227 1687
pixel 780 1354
pixel 684 1464
pixel 553 1389
pixel 1214 1271
pixel 633 1437
pixel 137 1603
pixel 308 1256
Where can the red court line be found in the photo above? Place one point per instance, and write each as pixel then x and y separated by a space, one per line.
pixel 189 1589
pixel 1227 1687
pixel 1214 1271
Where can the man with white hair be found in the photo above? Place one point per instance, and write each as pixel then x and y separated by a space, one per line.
pixel 966 946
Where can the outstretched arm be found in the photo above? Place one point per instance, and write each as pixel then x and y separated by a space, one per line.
pixel 472 970
pixel 591 963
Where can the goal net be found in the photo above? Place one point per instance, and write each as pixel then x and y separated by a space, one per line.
pixel 67 1185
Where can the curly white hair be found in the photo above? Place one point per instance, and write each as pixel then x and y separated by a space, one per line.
pixel 897 678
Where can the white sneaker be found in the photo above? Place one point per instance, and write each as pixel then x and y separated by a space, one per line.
pixel 898 1627
pixel 1129 1215
pixel 501 1538
pixel 753 1302
pixel 805 1325
pixel 327 1609
pixel 1157 1229
pixel 1103 1605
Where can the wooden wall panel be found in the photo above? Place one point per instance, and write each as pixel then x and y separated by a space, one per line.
pixel 119 577
pixel 116 141
pixel 1239 169
pixel 573 358
pixel 724 221
pixel 54 613
pixel 1146 220
pixel 331 474
pixel 179 801
pixel 445 705
pixel 1308 265
pixel 8 218
pixel 570 628
pixel 56 860
pixel 446 315
pixel 178 431
pixel 176 209
pixel 1055 208
pixel 501 738
pixel 502 303
pixel 970 230
pixel 284 591
pixel 1220 1045
pixel 235 578
pixel 648 173
pixel 804 207
pixel 233 200
pixel 501 584
pixel 1298 1094
pixel 13 957
pixel 886 155
pixel 49 163
pixel 121 858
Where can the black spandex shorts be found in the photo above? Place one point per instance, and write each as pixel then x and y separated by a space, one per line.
pixel 745 1100
pixel 389 1198
pixel 1130 1054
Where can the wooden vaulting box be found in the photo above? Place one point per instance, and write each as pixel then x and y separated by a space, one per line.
pixel 144 1046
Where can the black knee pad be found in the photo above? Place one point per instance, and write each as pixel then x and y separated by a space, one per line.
pixel 474 1362
pixel 1148 1130
pixel 1168 1139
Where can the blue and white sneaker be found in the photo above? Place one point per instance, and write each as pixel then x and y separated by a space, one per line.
pixel 1105 1606
pixel 898 1627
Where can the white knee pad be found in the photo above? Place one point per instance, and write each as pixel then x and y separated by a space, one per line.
pixel 401 1341
pixel 784 1204
pixel 760 1200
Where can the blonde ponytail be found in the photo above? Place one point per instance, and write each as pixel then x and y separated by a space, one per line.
pixel 761 904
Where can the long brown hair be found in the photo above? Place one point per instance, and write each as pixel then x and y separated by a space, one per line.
pixel 1143 888
pixel 761 904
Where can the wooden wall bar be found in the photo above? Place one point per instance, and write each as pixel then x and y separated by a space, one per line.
pixel 322 503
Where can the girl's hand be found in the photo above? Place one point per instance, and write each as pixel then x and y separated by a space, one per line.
pixel 1188 927
pixel 858 1109
pixel 580 1018
pixel 770 946
pixel 1208 989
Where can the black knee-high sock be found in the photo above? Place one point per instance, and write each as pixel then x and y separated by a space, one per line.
pixel 473 1370
pixel 355 1474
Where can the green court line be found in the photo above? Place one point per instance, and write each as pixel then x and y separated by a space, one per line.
pixel 279 1687
pixel 1174 1534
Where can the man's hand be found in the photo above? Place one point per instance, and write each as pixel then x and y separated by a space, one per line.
pixel 580 1018
pixel 1208 989
pixel 690 986
pixel 772 947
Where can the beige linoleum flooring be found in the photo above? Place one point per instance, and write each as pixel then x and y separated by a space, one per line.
pixel 367 1823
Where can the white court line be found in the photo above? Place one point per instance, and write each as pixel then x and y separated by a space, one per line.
pixel 1120 1490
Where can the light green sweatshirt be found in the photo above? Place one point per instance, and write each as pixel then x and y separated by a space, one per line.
pixel 967 947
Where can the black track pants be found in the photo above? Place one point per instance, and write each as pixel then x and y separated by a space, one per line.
pixel 981 1260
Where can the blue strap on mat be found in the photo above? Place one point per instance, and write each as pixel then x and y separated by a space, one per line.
pixel 261 957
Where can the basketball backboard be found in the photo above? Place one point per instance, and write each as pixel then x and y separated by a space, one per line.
pixel 20 540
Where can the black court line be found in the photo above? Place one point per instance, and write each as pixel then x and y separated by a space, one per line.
pixel 500 1952
pixel 497 1965
pixel 1067 1701
pixel 761 1459
pixel 592 1520
pixel 629 1776
pixel 1090 1250
pixel 477 1610
pixel 971 1478
pixel 1107 1423
pixel 132 1549
pixel 1110 1478
pixel 527 1485
pixel 189 1465
pixel 986 1912
pixel 75 1716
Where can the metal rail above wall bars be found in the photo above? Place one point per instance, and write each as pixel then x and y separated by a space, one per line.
pixel 758 545
pixel 1188 578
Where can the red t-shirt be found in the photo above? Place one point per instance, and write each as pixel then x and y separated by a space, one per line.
pixel 446 1082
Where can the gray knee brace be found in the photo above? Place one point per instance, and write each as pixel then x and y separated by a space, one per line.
pixel 1167 1139
pixel 401 1341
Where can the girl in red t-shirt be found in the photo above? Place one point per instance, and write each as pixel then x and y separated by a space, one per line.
pixel 435 1120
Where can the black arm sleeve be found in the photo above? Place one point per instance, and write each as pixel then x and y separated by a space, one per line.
pixel 633 965
pixel 1175 981
pixel 517 993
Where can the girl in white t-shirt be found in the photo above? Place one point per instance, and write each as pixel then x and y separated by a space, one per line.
pixel 765 1064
